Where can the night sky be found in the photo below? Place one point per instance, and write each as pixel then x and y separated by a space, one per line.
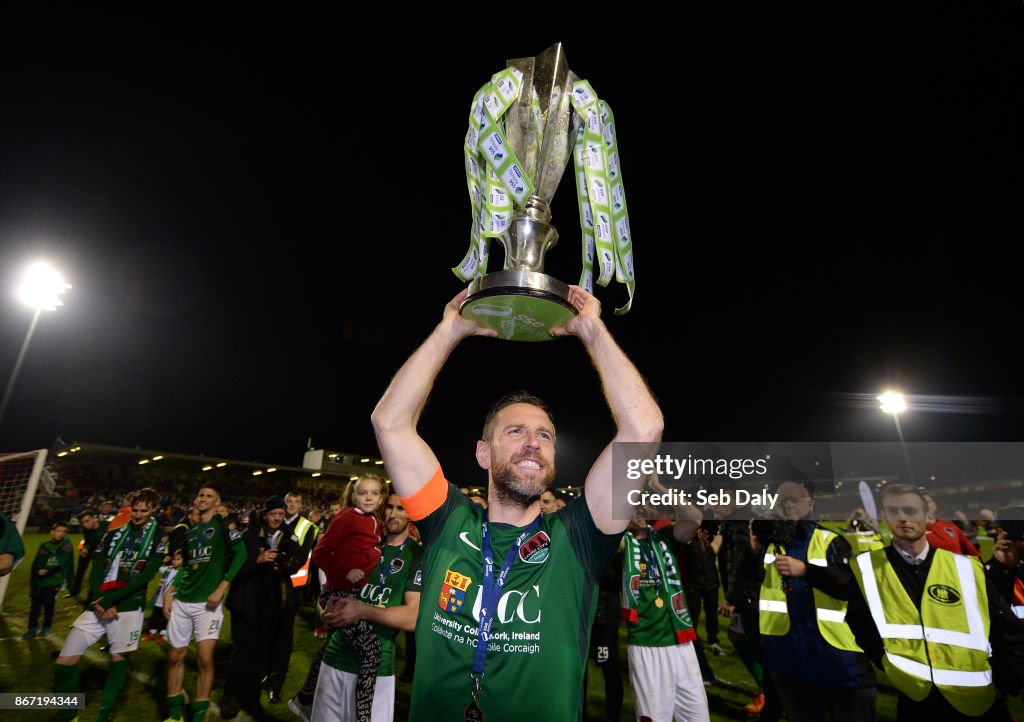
pixel 259 214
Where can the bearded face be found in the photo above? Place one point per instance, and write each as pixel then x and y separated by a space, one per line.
pixel 519 482
pixel 521 454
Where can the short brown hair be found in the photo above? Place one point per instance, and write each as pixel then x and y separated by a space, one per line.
pixel 516 397
pixel 146 495
pixel 902 489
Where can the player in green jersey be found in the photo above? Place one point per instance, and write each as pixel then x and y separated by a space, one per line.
pixel 390 600
pixel 663 668
pixel 124 562
pixel 519 654
pixel 12 550
pixel 193 604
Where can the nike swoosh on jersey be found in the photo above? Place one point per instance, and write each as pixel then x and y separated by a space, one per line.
pixel 464 536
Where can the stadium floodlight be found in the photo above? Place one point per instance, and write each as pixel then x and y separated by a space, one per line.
pixel 892 402
pixel 42 286
pixel 40 289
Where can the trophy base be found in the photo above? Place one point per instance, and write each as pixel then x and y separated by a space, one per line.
pixel 519 305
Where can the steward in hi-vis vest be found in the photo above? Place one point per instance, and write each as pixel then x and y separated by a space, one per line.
pixel 806 644
pixel 948 642
pixel 305 533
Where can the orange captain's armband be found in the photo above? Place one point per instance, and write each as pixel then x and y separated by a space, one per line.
pixel 428 498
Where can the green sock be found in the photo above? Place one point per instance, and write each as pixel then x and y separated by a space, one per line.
pixel 116 675
pixel 174 706
pixel 65 679
pixel 199 710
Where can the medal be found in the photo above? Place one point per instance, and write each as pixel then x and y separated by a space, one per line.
pixel 473 712
pixel 658 602
pixel 195 566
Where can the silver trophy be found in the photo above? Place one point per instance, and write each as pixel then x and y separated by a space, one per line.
pixel 520 301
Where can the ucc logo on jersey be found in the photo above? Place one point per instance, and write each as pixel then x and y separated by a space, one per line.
pixel 536 549
pixel 453 591
pixel 513 605
pixel 396 566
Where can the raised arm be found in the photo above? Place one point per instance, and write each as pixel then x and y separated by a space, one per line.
pixel 636 413
pixel 409 461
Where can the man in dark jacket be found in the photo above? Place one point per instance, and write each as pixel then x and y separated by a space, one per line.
pixel 1006 567
pixel 256 599
pixel 700 580
pixel 742 570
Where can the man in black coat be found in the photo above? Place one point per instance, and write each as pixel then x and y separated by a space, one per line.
pixel 257 596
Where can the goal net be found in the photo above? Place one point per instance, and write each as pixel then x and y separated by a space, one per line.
pixel 21 475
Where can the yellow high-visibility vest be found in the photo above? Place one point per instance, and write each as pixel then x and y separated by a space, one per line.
pixel 946 642
pixel 830 612
pixel 864 541
pixel 302 528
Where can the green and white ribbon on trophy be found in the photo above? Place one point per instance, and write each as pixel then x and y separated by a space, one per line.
pixel 601 195
pixel 523 127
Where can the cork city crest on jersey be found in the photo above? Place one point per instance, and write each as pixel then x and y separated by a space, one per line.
pixel 453 591
pixel 536 549
pixel 679 608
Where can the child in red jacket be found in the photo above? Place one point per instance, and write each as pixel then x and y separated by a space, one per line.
pixel 348 553
pixel 350 548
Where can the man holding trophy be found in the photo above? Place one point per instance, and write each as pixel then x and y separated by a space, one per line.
pixel 508 594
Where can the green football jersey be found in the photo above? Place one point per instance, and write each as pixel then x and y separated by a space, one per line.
pixel 537 652
pixel 215 553
pixel 651 600
pixel 124 564
pixel 10 540
pixel 404 576
pixel 57 558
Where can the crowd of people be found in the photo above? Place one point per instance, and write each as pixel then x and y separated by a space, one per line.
pixel 520 590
